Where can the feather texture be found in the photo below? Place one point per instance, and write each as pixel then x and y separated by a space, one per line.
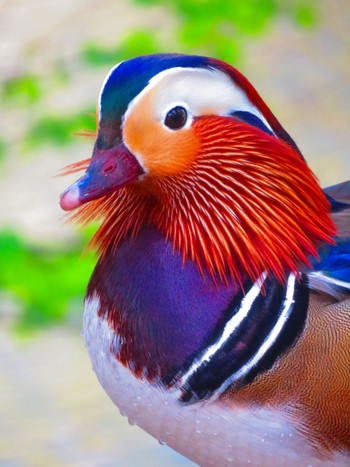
pixel 331 272
pixel 246 191
pixel 223 267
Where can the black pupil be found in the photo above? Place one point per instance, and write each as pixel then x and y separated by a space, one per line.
pixel 176 118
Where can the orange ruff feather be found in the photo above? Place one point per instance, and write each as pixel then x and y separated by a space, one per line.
pixel 247 204
pixel 75 167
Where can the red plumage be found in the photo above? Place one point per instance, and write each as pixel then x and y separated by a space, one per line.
pixel 248 204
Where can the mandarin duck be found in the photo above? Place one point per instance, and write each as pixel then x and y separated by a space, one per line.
pixel 218 315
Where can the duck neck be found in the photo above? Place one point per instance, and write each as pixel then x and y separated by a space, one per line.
pixel 176 326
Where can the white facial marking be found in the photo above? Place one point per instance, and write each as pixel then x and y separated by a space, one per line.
pixel 199 90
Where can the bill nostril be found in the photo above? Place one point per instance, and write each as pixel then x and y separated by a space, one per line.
pixel 109 168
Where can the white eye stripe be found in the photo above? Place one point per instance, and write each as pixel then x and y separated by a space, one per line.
pixel 199 91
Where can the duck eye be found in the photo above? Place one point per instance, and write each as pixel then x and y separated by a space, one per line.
pixel 176 118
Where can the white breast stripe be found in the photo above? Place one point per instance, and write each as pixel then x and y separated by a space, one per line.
pixel 230 327
pixel 270 339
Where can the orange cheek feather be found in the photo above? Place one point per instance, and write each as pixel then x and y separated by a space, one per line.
pixel 162 152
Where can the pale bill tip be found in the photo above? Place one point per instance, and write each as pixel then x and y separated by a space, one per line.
pixel 70 198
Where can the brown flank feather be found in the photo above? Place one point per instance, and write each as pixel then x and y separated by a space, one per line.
pixel 312 382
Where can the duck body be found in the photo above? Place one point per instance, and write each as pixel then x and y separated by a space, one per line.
pixel 218 315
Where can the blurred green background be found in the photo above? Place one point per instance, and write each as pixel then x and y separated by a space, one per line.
pixel 54 56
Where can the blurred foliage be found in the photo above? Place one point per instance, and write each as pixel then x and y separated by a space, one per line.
pixel 210 27
pixel 138 42
pixel 49 281
pixel 21 90
pixel 2 149
pixel 58 130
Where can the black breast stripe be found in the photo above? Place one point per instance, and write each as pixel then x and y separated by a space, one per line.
pixel 264 324
pixel 253 120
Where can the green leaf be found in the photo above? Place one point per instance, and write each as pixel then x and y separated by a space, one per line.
pixel 208 26
pixel 58 130
pixel 139 42
pixel 97 55
pixel 305 15
pixel 21 90
pixel 46 281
